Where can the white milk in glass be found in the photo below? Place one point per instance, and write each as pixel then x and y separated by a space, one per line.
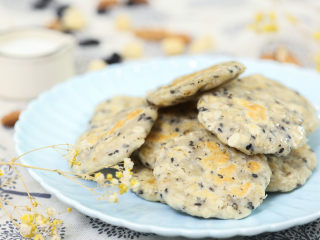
pixel 33 60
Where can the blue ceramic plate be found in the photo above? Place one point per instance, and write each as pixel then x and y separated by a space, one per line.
pixel 61 114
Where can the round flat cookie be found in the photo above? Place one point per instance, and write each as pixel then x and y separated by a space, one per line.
pixel 257 115
pixel 172 122
pixel 199 175
pixel 147 187
pixel 183 88
pixel 106 144
pixel 107 109
pixel 291 171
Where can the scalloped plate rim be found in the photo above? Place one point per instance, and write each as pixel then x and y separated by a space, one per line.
pixel 169 232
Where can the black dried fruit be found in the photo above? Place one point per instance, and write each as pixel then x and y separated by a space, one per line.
pixel 41 4
pixel 114 58
pixel 102 10
pixel 89 42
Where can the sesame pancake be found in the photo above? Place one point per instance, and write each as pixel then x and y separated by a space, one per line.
pixel 108 142
pixel 172 122
pixel 146 187
pixel 257 115
pixel 291 171
pixel 201 176
pixel 183 88
pixel 106 109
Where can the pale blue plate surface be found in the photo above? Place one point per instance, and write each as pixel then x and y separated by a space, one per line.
pixel 61 114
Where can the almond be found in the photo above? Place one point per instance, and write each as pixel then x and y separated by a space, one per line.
pixel 10 119
pixel 281 54
pixel 184 37
pixel 104 5
pixel 158 34
pixel 151 34
pixel 137 2
pixel 55 25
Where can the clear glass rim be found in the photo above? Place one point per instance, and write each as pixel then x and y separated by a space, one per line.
pixel 69 43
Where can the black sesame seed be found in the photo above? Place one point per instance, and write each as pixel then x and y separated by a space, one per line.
pixel 219 129
pixel 200 185
pixel 250 206
pixel 172 91
pixel 41 4
pixel 198 204
pixel 141 116
pixel 281 150
pixel 191 143
pixel 202 109
pixel 216 76
pixel 254 175
pixel 220 176
pixel 235 206
pixel 249 146
pixel 140 192
pixel 177 129
pixel 150 103
pixel 172 160
pixel 166 190
pixel 230 70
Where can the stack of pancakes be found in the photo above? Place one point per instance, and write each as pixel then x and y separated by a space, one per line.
pixel 209 144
